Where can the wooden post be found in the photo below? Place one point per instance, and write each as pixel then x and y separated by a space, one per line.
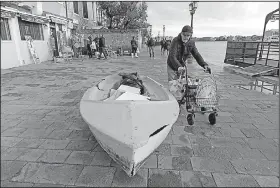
pixel 267 53
pixel 257 50
pixel 244 49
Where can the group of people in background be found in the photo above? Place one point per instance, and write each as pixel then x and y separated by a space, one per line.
pixel 165 46
pixel 96 47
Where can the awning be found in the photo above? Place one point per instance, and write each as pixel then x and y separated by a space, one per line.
pixel 36 19
pixel 7 14
pixel 59 21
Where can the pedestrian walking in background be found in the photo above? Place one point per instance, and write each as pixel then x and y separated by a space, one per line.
pixel 102 47
pixel 89 49
pixel 166 47
pixel 162 44
pixel 93 47
pixel 151 44
pixel 133 47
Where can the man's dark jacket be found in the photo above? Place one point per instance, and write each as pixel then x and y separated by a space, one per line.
pixel 133 43
pixel 102 42
pixel 179 52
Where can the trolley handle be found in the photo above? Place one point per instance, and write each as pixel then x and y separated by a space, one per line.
pixel 207 70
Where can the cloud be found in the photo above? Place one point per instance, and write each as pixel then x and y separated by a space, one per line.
pixel 211 18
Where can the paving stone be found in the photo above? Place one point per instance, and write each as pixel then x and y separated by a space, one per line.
pixel 151 162
pixel 218 153
pixel 197 179
pixel 30 143
pixel 12 153
pixel 98 148
pixel 3 148
pixel 100 159
pixel 48 185
pixel 9 141
pixel 174 162
pixel 199 141
pixel 35 133
pixel 234 180
pixel 181 150
pixel 13 131
pixel 229 142
pixel 271 153
pixel 15 184
pixel 164 178
pixel 31 155
pixel 168 139
pixel 59 121
pixel 211 165
pixel 251 133
pixel 79 126
pixel 95 176
pixel 163 149
pixel 256 166
pixel 49 173
pixel 81 145
pixel 267 126
pixel 60 124
pixel 54 144
pixel 242 125
pixel 181 139
pixel 270 133
pixel 54 156
pixel 121 179
pixel 10 168
pixel 267 181
pixel 35 124
pixel 232 132
pixel 261 143
pixel 80 135
pixel 203 131
pixel 80 157
pixel 248 153
pixel 177 130
pixel 59 134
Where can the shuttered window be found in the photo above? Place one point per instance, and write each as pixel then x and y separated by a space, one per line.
pixel 85 10
pixel 76 7
pixel 5 30
pixel 34 30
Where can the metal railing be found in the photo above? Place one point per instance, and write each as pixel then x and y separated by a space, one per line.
pixel 251 52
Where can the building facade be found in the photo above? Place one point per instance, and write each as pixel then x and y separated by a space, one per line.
pixel 42 21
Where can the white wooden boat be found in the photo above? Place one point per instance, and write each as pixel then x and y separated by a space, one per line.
pixel 129 130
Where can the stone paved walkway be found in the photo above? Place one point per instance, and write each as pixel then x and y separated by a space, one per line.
pixel 45 142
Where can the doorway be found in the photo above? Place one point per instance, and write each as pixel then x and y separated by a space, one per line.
pixel 53 31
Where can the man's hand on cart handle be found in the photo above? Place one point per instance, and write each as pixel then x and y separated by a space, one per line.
pixel 181 70
pixel 207 69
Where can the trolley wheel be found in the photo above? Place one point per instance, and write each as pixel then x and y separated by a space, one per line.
pixel 212 118
pixel 190 119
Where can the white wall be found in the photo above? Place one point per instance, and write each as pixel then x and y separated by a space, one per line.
pixel 9 56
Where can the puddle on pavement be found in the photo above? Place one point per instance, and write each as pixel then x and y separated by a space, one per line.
pixel 260 86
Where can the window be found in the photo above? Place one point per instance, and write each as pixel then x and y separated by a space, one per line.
pixel 34 30
pixel 59 27
pixel 76 7
pixel 85 10
pixel 5 30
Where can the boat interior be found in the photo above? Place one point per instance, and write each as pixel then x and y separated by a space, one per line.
pixel 101 91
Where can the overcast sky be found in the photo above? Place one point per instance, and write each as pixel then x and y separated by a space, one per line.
pixel 212 18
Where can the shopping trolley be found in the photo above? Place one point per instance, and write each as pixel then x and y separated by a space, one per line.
pixel 200 96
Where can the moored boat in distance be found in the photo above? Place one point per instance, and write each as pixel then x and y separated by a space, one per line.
pixel 129 129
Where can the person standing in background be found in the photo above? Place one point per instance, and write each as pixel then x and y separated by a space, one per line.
pixel 133 47
pixel 102 47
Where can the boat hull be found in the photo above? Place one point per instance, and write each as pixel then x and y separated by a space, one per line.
pixel 129 131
